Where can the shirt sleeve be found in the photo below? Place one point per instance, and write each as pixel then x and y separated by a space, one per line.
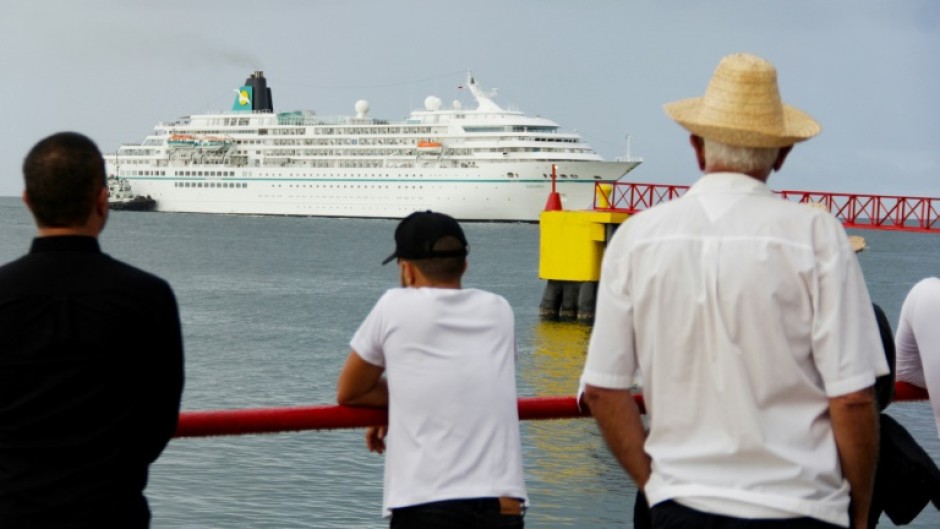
pixel 368 339
pixel 909 366
pixel 611 360
pixel 846 344
pixel 918 341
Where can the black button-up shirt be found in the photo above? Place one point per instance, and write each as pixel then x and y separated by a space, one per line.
pixel 91 376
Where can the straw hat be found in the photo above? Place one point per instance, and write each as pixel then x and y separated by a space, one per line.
pixel 857 242
pixel 742 107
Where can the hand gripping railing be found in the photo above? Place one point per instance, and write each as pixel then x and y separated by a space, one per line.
pixel 324 417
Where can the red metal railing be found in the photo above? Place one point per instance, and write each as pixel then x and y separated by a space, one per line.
pixel 271 420
pixel 881 212
pixel 293 419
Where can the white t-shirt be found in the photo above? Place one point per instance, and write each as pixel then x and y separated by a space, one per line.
pixel 917 340
pixel 449 356
pixel 744 313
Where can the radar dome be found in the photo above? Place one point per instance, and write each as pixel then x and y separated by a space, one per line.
pixel 362 108
pixel 432 103
pixel 457 105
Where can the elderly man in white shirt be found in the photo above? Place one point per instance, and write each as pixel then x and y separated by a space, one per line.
pixel 748 318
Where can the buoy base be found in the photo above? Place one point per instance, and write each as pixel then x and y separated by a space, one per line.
pixel 569 301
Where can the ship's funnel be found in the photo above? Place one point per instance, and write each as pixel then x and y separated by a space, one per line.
pixel 262 101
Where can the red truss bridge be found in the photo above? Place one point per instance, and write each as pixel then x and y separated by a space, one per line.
pixel 876 212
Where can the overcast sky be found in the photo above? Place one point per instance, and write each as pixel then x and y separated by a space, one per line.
pixel 867 70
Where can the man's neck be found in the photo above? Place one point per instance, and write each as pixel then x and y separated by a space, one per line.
pixel 433 284
pixel 755 175
pixel 63 231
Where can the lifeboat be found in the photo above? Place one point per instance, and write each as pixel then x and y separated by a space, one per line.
pixel 212 143
pixel 181 141
pixel 430 147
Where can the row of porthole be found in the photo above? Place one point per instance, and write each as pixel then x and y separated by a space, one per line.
pixel 546 175
pixel 204 173
pixel 350 186
pixel 350 176
pixel 211 184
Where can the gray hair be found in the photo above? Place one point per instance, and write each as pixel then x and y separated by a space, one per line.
pixel 741 159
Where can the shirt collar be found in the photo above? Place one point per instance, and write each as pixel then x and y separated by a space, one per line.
pixel 729 183
pixel 65 243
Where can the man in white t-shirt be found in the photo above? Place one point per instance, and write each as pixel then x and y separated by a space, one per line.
pixel 749 321
pixel 454 457
pixel 918 340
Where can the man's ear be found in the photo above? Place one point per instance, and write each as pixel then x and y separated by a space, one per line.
pixel 699 145
pixel 782 157
pixel 407 273
pixel 102 201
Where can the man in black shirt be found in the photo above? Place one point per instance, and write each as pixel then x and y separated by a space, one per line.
pixel 91 358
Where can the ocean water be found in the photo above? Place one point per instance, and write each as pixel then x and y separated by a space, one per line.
pixel 268 305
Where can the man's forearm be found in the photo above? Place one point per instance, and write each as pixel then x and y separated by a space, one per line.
pixel 855 427
pixel 361 383
pixel 376 396
pixel 618 417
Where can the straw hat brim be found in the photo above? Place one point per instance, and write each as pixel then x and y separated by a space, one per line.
pixel 743 131
pixel 857 242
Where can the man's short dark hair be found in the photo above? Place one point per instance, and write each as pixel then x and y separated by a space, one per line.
pixel 443 269
pixel 63 174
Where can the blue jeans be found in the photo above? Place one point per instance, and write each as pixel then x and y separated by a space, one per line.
pixel 476 513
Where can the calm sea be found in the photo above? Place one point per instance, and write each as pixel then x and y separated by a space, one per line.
pixel 268 305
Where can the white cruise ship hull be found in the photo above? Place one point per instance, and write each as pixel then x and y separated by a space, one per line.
pixel 466 194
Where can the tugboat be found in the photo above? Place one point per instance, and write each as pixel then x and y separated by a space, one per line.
pixel 120 197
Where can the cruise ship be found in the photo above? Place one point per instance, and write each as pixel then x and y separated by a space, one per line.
pixel 486 163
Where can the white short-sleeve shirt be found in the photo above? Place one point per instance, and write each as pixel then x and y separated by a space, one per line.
pixel 917 340
pixel 449 355
pixel 744 314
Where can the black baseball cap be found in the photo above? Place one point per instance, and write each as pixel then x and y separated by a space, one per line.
pixel 417 234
